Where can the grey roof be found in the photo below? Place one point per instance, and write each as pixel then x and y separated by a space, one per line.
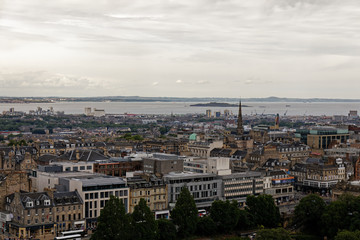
pixel 90 181
pixel 66 198
pixel 242 174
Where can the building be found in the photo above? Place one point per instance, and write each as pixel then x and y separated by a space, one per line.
pixel 203 149
pixel 319 177
pixel 33 215
pixel 237 186
pixel 95 190
pixel 281 186
pixel 161 164
pixel 118 167
pixel 216 165
pixel 204 187
pixel 80 166
pixel 152 189
pixel 240 127
pixel 208 113
pixel 321 138
pixel 13 181
pixel 68 212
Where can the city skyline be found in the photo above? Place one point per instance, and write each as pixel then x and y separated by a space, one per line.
pixel 283 48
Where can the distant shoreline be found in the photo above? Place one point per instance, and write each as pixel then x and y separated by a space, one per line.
pixel 167 99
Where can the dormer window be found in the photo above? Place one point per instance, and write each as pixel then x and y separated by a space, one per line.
pixel 37 202
pixel 29 204
pixel 47 202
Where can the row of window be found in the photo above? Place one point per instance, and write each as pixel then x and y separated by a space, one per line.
pixel 74 169
pixel 95 195
pixel 69 218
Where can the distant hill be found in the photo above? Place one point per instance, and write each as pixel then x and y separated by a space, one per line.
pixel 165 99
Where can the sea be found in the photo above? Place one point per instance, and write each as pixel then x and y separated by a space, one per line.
pixel 181 108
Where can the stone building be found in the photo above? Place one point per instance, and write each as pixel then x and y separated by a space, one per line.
pixel 13 181
pixel 32 215
pixel 68 211
pixel 152 189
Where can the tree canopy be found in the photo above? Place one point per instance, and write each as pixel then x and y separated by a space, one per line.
pixel 273 234
pixel 144 222
pixel 185 214
pixel 225 215
pixel 113 222
pixel 308 213
pixel 263 210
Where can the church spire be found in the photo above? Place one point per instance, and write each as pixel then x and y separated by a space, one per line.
pixel 240 128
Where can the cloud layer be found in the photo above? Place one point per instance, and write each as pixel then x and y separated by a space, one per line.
pixel 180 48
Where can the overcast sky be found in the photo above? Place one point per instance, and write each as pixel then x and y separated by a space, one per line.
pixel 187 48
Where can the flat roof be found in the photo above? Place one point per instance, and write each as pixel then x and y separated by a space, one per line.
pixel 188 174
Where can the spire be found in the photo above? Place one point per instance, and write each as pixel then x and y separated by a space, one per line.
pixel 240 128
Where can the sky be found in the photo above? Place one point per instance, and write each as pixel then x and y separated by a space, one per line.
pixel 187 48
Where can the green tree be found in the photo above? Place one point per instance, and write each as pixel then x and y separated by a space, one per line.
pixel 263 210
pixel 335 217
pixel 245 220
pixel 113 222
pixel 225 215
pixel 308 213
pixel 273 234
pixel 185 214
pixel 347 235
pixel 166 230
pixel 206 227
pixel 144 221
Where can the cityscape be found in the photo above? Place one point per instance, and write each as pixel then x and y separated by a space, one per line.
pixel 169 120
pixel 59 170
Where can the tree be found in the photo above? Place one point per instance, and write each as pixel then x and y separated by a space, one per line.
pixel 308 213
pixel 206 227
pixel 225 215
pixel 166 230
pixel 335 217
pixel 273 234
pixel 113 222
pixel 263 210
pixel 245 220
pixel 185 214
pixel 347 235
pixel 144 221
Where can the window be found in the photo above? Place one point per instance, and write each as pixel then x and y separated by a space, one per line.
pixel 36 212
pixel 79 216
pixel 88 167
pixel 57 218
pixel 74 216
pixel 86 196
pixel 28 212
pixel 63 218
pixel 47 202
pixel 42 211
pixel 29 204
pixel 75 169
pixel 82 167
pixel 69 217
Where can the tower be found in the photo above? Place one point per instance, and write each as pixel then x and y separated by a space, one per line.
pixel 240 128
